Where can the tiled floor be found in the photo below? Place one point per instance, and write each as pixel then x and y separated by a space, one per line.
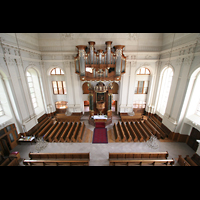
pixel 99 152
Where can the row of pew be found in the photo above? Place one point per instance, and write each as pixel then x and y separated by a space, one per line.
pixel 10 161
pixel 54 131
pixel 57 159
pixel 140 130
pixel 187 161
pixel 140 159
pixel 132 131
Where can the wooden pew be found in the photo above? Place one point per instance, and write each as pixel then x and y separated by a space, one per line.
pixel 182 161
pixel 131 118
pixel 75 134
pixel 132 132
pixel 41 126
pixel 121 132
pixel 64 118
pixel 10 162
pixel 196 158
pixel 142 131
pixel 159 123
pixel 190 161
pixel 71 131
pixel 45 129
pixel 116 133
pixel 140 162
pixel 163 135
pixel 58 132
pixel 155 132
pixel 145 127
pixel 43 156
pixel 50 131
pixel 80 134
pixel 56 162
pixel 163 155
pixel 70 159
pixel 126 131
pixel 64 135
pixel 140 158
pixel 139 135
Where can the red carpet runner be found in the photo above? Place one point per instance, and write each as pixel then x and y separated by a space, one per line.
pixel 100 135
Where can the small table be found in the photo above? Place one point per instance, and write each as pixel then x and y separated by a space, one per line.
pixel 27 139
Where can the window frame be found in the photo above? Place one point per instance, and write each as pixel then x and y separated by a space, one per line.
pixel 61 71
pixel 165 88
pixel 139 71
pixel 1 110
pixel 138 84
pixel 35 104
pixel 197 112
pixel 63 86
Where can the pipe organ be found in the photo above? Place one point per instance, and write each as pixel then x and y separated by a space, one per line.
pixel 106 65
pixel 100 66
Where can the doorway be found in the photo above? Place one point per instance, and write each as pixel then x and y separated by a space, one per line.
pixel 4 146
pixel 114 106
pixel 86 106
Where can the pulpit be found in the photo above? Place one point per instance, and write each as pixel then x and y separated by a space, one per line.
pixel 100 105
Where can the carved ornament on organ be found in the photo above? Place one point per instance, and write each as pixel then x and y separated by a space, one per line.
pixel 100 65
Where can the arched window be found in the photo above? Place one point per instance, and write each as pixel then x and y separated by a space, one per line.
pixel 198 109
pixel 194 102
pixel 1 110
pixel 142 82
pixel 165 85
pixel 57 71
pixel 35 89
pixel 32 89
pixel 143 71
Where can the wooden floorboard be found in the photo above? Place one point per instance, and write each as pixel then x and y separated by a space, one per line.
pixel 87 136
pixel 110 135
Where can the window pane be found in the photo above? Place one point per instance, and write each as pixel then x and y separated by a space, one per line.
pixel 140 90
pixel 60 90
pixel 65 92
pixel 142 70
pixel 29 79
pixel 11 137
pixel 55 91
pixel 34 100
pixel 32 95
pixel 32 90
pixel 147 71
pixel 28 74
pixel 30 84
pixel 57 70
pixel 53 71
pixel 59 84
pixel 34 105
pixel 145 90
pixel 146 83
pixel 54 84
pixel 141 83
pixel 135 90
pixel 64 84
pixel 62 71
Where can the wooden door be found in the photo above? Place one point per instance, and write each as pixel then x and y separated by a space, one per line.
pixel 4 146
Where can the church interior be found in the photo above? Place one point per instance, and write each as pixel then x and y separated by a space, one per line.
pixel 99 99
